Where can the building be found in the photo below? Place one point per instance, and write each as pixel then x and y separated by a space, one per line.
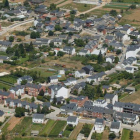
pixel 107 88
pixel 53 79
pixel 115 127
pixel 110 59
pixel 99 125
pixel 88 69
pixel 69 50
pixel 3 58
pixel 100 103
pixel 72 120
pixel 80 74
pixel 111 98
pixel 33 89
pixel 29 79
pixel 17 90
pixel 38 118
pixel 2 116
pixel 80 100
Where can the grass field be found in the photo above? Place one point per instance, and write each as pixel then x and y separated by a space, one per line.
pixel 125 134
pixel 47 128
pixel 76 131
pixel 9 79
pixel 57 128
pixel 66 133
pixel 97 136
pixel 2 85
pixel 3 53
pixel 78 6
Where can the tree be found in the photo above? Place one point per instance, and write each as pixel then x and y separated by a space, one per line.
pixel 19 112
pixel 112 136
pixel 17 53
pixel 100 58
pixel 133 6
pixel 116 60
pixel 79 42
pixel 131 135
pixel 33 99
pixel 54 100
pixel 41 93
pixel 4 89
pixel 60 53
pixel 11 38
pixel 118 52
pixel 6 3
pixel 23 82
pixel 113 13
pixel 45 110
pixel 52 6
pixel 3 137
pixel 58 28
pixel 50 33
pixel 121 11
pixel 35 35
pixel 9 50
pixel 19 96
pixel 38 109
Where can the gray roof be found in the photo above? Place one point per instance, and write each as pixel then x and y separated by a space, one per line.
pixel 33 86
pixel 26 77
pixel 115 125
pixel 109 96
pixel 79 98
pixel 1 113
pixel 128 68
pixel 53 77
pixel 71 119
pixel 67 48
pixel 4 57
pixel 38 116
pixel 16 88
pixel 56 87
pixel 4 93
pixel 99 121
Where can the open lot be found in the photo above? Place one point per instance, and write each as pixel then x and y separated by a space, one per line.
pixel 76 131
pixel 136 136
pixel 57 128
pixel 125 134
pixel 78 6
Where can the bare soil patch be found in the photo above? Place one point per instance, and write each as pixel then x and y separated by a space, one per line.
pixel 136 136
pixel 13 122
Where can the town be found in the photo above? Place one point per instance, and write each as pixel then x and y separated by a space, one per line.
pixel 69 70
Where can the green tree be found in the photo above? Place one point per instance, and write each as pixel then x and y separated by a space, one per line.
pixel 100 58
pixel 45 110
pixel 112 136
pixel 118 52
pixel 23 82
pixel 131 135
pixel 58 28
pixel 17 53
pixel 11 38
pixel 52 6
pixel 60 53
pixel 10 50
pixel 113 13
pixel 33 99
pixel 79 42
pixel 38 109
pixel 50 33
pixel 41 93
pixel 6 3
pixel 19 112
pixel 116 60
pixel 3 137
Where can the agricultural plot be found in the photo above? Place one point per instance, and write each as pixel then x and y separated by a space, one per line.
pixel 57 128
pixel 125 134
pixel 8 79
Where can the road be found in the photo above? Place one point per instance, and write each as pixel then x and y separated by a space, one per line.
pixel 15 25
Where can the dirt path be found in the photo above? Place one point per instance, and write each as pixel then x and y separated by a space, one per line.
pixel 64 3
pixel 13 122
pixel 76 131
pixel 59 1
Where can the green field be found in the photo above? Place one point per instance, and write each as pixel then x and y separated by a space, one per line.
pixel 57 128
pixel 66 133
pixel 125 134
pixel 127 1
pixel 2 85
pixel 97 136
pixel 24 126
pixel 9 79
pixel 47 128
pixel 3 53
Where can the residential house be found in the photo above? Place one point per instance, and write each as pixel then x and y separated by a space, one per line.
pixel 80 73
pixel 100 103
pixel 48 104
pixel 78 87
pixel 107 88
pixel 115 127
pixel 38 118
pixel 72 120
pixel 69 50
pixel 57 42
pixel 84 52
pixel 2 116
pixel 111 98
pixel 3 58
pixel 4 45
pixel 110 59
pixel 88 69
pixel 17 90
pixel 58 91
pixel 53 79
pixel 29 79
pixel 71 81
pixel 99 125
pixel 80 100
pixel 33 89
pixel 129 62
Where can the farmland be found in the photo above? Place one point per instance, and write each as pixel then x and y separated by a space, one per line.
pixel 125 134
pixel 9 79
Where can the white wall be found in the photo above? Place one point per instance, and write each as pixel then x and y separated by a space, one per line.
pixel 34 120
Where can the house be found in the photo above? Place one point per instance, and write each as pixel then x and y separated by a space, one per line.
pixel 88 69
pixel 72 120
pixel 57 42
pixel 80 73
pixel 53 79
pixel 99 125
pixel 62 72
pixel 131 69
pixel 107 88
pixel 84 52
pixel 29 79
pixel 60 100
pixel 111 98
pixel 17 90
pixel 100 103
pixel 4 95
pixel 71 81
pixel 2 116
pixel 68 109
pixel 129 62
pixel 38 118
pixel 3 58
pixel 69 50
pixel 115 127
pixel 48 104
pixel 78 87
pixel 110 59
pixel 80 100
pixel 4 45
pixel 130 89
pixel 33 89
pixel 58 91
pixel 34 133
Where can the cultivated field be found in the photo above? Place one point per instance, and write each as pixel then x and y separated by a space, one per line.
pixel 125 134
pixel 76 131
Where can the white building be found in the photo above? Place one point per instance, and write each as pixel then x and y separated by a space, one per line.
pixel 69 50
pixel 80 73
pixel 53 79
pixel 72 120
pixel 111 98
pixel 110 59
pixel 115 127
pixel 100 103
pixel 38 118
pixel 17 90
pixel 84 52
pixel 99 125
pixel 26 77
pixel 62 72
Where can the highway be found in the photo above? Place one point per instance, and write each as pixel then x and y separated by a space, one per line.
pixel 15 25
